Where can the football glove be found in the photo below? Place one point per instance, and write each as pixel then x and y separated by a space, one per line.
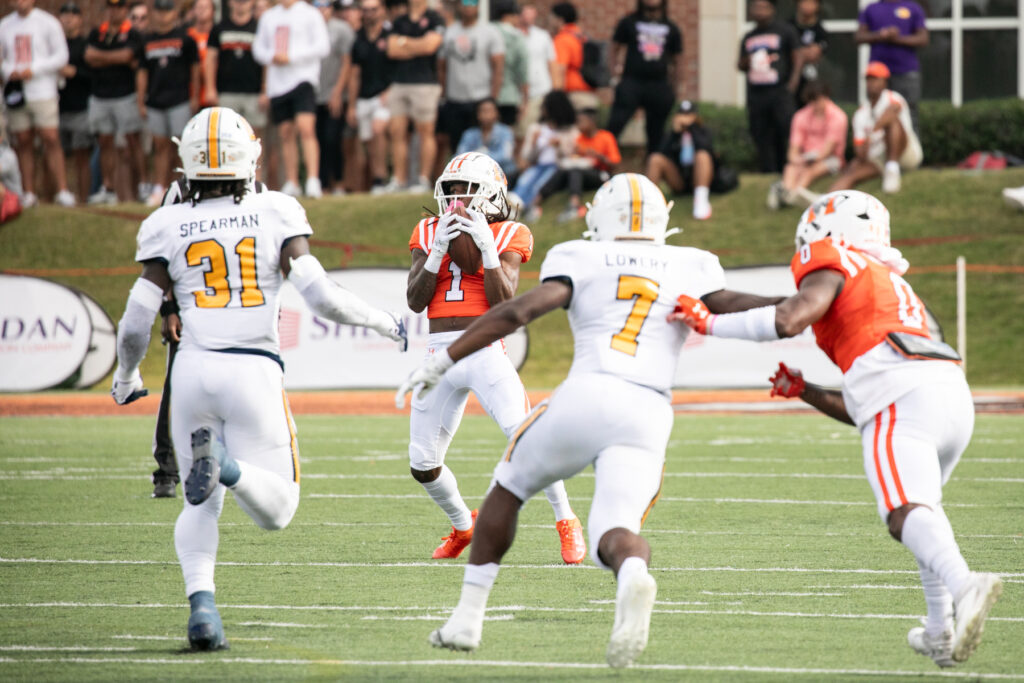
pixel 483 237
pixel 424 378
pixel 444 231
pixel 787 383
pixel 693 312
pixel 127 389
pixel 396 332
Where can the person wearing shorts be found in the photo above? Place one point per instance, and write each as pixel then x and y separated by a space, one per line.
pixel 75 137
pixel 369 79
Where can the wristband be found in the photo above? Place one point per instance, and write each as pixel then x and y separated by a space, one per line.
pixel 490 258
pixel 756 324
pixel 433 262
pixel 169 306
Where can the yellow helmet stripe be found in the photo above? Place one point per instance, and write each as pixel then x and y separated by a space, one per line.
pixel 213 153
pixel 637 210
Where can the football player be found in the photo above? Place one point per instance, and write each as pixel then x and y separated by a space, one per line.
pixel 903 390
pixel 224 252
pixel 454 299
pixel 613 411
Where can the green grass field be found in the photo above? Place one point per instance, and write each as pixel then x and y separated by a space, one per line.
pixel 771 561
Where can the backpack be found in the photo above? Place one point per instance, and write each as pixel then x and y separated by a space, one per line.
pixel 10 206
pixel 595 70
pixel 988 161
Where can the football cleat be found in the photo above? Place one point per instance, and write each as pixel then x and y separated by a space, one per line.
pixel 971 609
pixel 461 637
pixel 205 473
pixel 454 543
pixel 205 630
pixel 939 648
pixel 164 488
pixel 634 603
pixel 570 533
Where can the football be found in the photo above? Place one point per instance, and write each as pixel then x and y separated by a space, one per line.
pixel 462 249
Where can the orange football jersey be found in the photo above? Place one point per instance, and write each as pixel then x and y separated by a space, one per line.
pixel 458 294
pixel 874 301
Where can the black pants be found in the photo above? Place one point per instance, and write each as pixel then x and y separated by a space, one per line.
pixel 163 453
pixel 769 113
pixel 575 179
pixel 328 134
pixel 455 119
pixel 654 97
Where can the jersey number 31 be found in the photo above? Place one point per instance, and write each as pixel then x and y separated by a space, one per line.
pixel 211 254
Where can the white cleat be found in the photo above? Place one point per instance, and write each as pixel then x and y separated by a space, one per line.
pixel 939 648
pixel 971 609
pixel 462 637
pixel 633 606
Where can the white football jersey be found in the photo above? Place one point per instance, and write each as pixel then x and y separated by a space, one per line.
pixel 622 293
pixel 224 259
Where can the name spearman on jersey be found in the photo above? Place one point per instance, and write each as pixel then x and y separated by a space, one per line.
pixel 251 220
pixel 618 260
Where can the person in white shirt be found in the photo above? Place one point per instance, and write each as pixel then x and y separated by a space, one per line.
pixel 884 141
pixel 32 51
pixel 291 40
pixel 542 72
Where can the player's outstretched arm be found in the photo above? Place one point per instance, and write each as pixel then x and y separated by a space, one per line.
pixel 133 330
pixel 790 383
pixel 332 301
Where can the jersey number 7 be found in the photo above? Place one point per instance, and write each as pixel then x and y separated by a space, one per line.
pixel 644 292
pixel 218 292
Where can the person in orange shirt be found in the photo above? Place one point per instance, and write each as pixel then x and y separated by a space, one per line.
pixel 569 55
pixel 453 300
pixel 592 163
pixel 199 31
pixel 903 389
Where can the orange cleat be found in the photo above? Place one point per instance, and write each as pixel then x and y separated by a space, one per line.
pixel 570 533
pixel 454 543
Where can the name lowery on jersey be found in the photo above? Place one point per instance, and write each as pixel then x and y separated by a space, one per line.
pixel 458 294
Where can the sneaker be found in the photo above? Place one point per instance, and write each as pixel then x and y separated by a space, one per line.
pixel 392 187
pixel 102 196
pixel 454 543
pixel 339 192
pixel 570 533
pixel 156 197
pixel 379 187
pixel 634 603
pixel 205 630
pixel 971 609
pixel 64 198
pixel 313 188
pixel 204 476
pixel 891 179
pixel 939 648
pixel 144 189
pixel 291 189
pixel 458 634
pixel 1014 196
pixel 702 211
pixel 164 488
pixel 29 200
pixel 421 186
pixel 774 192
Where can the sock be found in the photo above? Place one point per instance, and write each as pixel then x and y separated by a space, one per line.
pixel 476 587
pixel 482 575
pixel 700 195
pixel 630 567
pixel 270 500
pixel 229 472
pixel 930 537
pixel 445 492
pixel 892 166
pixel 195 542
pixel 939 601
pixel 559 500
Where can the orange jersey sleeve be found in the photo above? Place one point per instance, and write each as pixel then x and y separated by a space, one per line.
pixel 874 302
pixel 458 294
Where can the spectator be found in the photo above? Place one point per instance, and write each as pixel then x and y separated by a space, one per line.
pixel 686 159
pixel 491 137
pixel 233 77
pixel 168 73
pixel 569 55
pixel 544 72
pixel 817 145
pixel 515 88
pixel 291 40
pixel 813 42
pixel 471 66
pixel 395 9
pixel 330 98
pixel 413 44
pixel 138 15
pixel 113 110
pixel 369 80
pixel 199 31
pixel 895 29
pixel 592 162
pixel 32 51
pixel 884 141
pixel 547 142
pixel 771 59
pixel 74 99
pixel 653 47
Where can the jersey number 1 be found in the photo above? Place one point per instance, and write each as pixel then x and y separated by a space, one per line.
pixel 218 292
pixel 644 292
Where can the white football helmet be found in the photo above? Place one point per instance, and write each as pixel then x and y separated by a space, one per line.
pixel 629 207
pixel 219 144
pixel 850 217
pixel 487 186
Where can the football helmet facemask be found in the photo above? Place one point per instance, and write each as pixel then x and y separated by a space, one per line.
pixel 219 144
pixel 629 207
pixel 486 185
pixel 850 217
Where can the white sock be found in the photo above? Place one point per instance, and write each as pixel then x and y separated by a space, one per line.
pixel 476 587
pixel 700 195
pixel 445 492
pixel 269 499
pixel 195 540
pixel 630 567
pixel 892 166
pixel 930 537
pixel 701 205
pixel 559 500
pixel 482 575
pixel 939 601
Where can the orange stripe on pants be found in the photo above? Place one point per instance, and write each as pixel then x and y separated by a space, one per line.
pixel 892 456
pixel 878 463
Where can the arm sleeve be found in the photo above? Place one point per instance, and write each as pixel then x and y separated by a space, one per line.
pixel 133 330
pixel 213 40
pixel 332 301
pixel 316 47
pixel 497 46
pixel 6 62
pixel 612 150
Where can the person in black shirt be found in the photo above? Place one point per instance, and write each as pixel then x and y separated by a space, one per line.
pixel 74 99
pixel 168 71
pixel 111 53
pixel 686 160
pixel 653 46
pixel 770 56
pixel 369 80
pixel 813 42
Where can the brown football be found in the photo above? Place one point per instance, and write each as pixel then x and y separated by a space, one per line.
pixel 462 249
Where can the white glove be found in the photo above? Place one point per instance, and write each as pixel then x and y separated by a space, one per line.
pixel 424 378
pixel 392 327
pixel 126 389
pixel 483 237
pixel 444 231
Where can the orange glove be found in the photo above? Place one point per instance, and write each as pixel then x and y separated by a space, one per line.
pixel 787 383
pixel 693 312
